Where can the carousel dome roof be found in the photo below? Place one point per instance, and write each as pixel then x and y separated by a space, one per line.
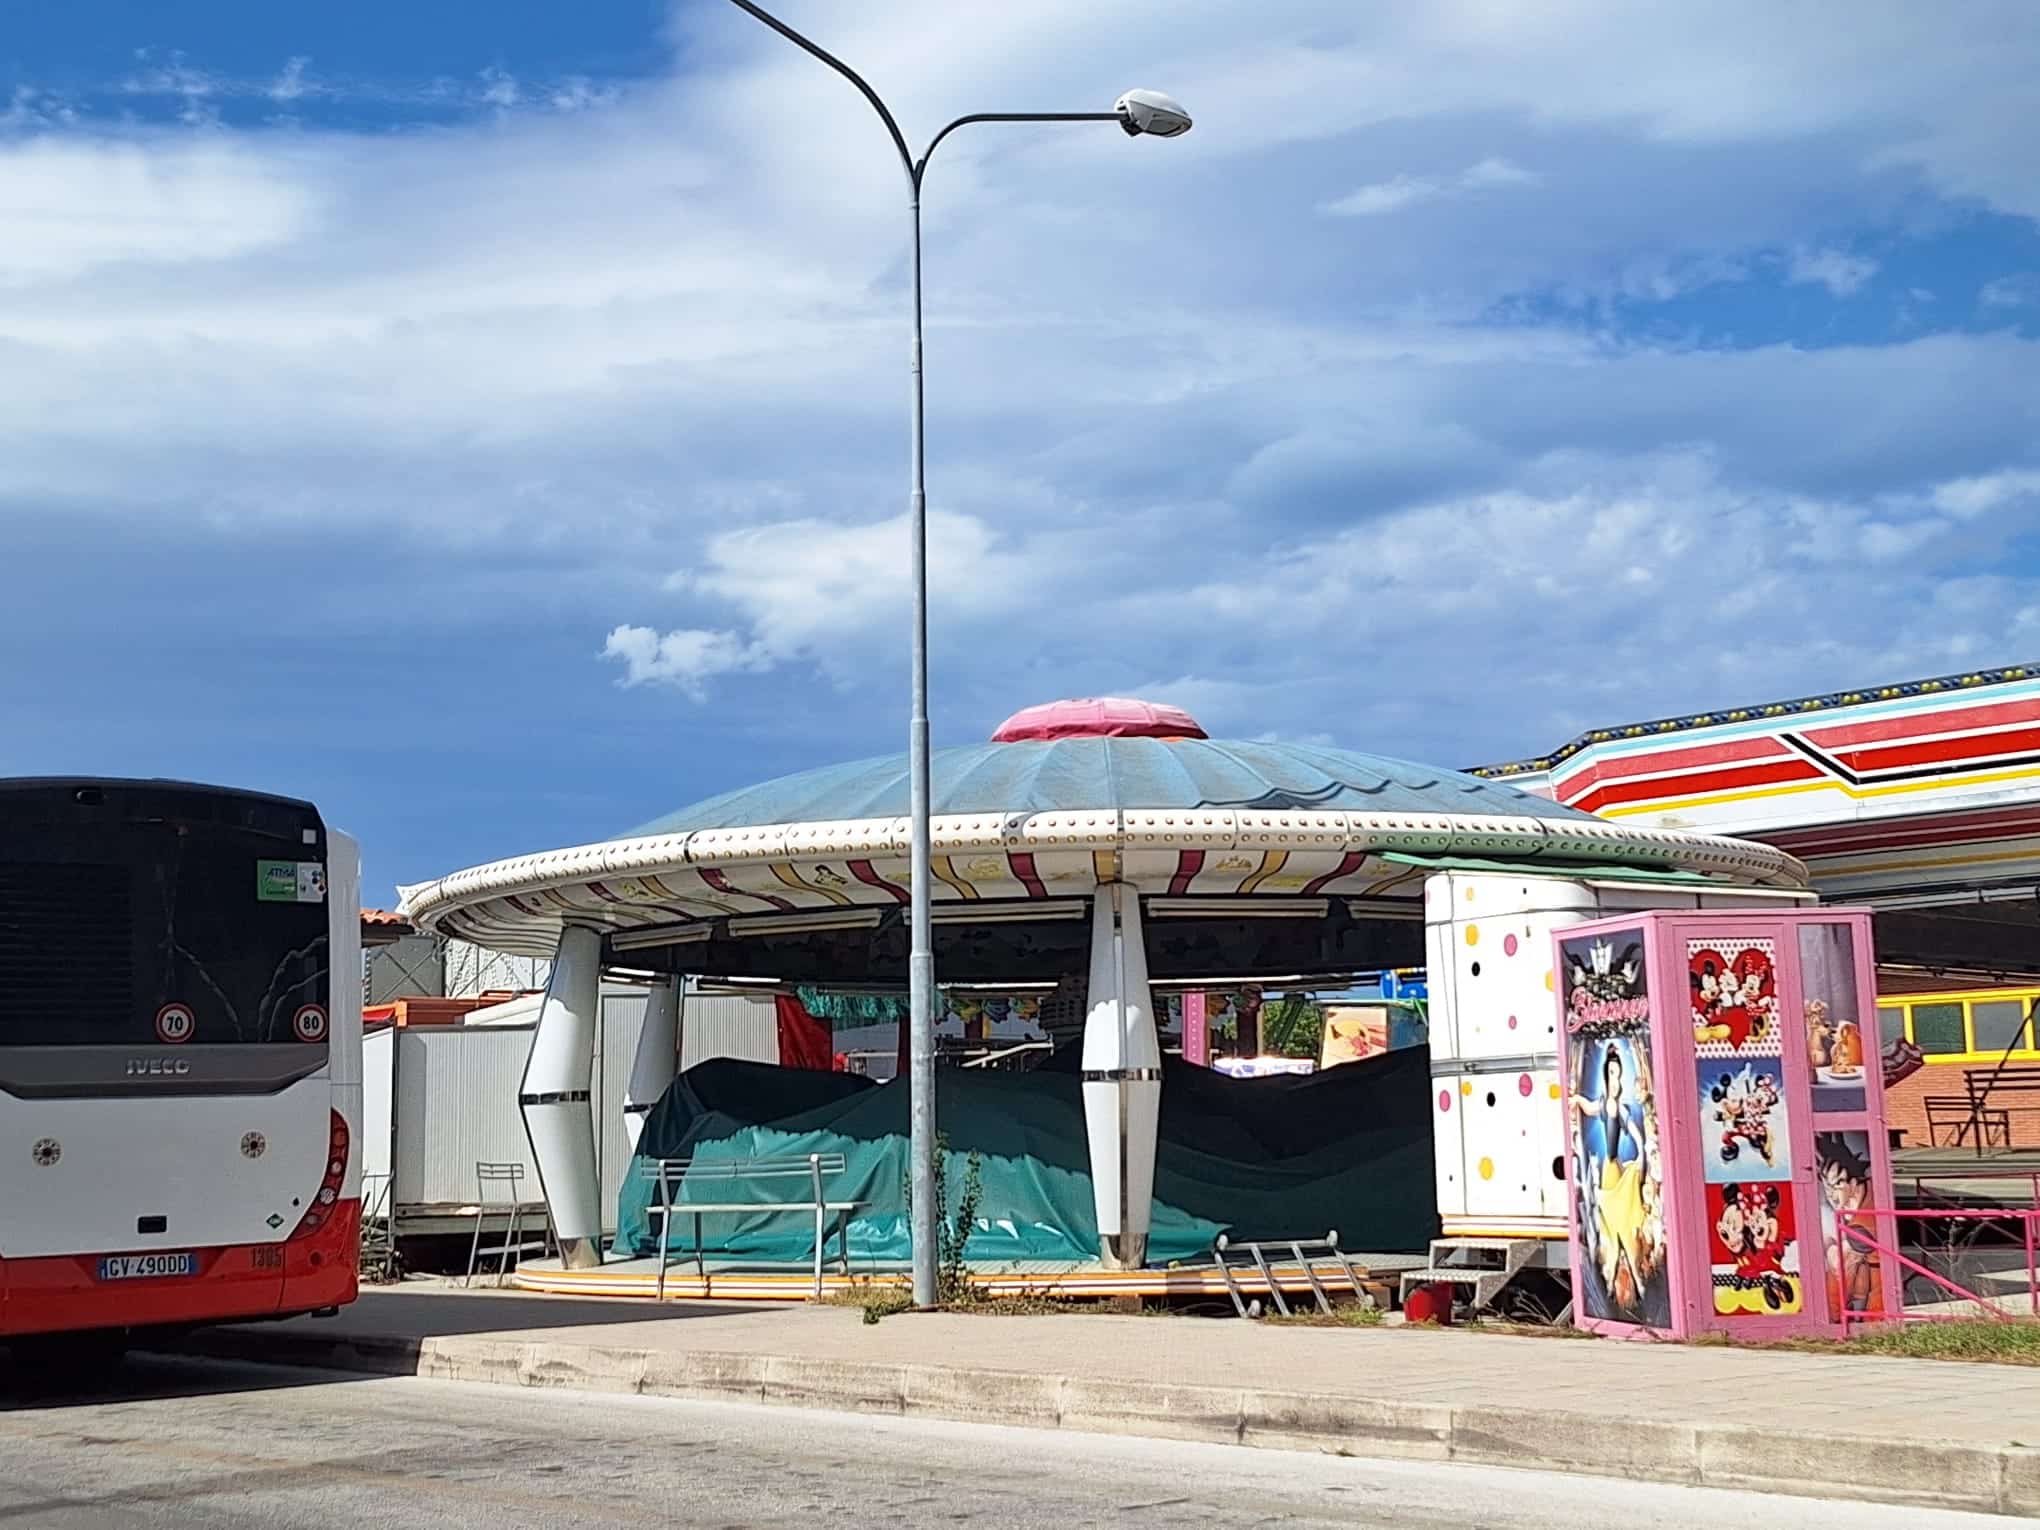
pixel 1080 774
pixel 1058 793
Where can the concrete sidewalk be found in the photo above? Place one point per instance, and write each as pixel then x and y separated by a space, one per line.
pixel 1895 1430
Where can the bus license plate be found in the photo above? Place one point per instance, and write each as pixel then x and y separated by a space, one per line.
pixel 147 1266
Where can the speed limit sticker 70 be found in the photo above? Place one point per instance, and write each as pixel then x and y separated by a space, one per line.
pixel 175 1023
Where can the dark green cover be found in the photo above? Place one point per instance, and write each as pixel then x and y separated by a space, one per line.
pixel 1282 1157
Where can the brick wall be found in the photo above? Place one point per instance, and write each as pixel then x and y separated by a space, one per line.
pixel 1905 1105
pixel 1905 1102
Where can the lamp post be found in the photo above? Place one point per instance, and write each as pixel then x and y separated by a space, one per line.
pixel 1138 112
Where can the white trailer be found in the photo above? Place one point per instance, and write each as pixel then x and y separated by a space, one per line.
pixel 438 1100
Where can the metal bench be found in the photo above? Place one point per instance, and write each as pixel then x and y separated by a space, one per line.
pixel 1987 1087
pixel 1991 1127
pixel 676 1182
pixel 509 1178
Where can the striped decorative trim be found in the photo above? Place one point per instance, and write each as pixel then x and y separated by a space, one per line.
pixel 518 904
pixel 1832 701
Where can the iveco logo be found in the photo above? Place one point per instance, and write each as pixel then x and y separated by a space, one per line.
pixel 158 1067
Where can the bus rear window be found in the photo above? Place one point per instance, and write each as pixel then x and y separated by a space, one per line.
pixel 156 933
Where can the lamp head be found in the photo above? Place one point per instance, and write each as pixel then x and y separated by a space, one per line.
pixel 1151 112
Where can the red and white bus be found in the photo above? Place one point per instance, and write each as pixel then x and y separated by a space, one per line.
pixel 180 1058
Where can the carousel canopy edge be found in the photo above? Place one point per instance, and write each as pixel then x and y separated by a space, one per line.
pixel 519 904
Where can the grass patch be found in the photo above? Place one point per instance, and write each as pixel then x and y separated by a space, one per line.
pixel 881 1299
pixel 1994 1343
pixel 875 1299
pixel 1342 1315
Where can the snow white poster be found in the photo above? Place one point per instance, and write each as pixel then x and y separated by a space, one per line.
pixel 1612 1107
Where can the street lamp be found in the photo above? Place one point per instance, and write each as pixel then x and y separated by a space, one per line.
pixel 1139 112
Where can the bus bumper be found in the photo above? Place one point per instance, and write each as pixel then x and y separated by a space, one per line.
pixel 63 1293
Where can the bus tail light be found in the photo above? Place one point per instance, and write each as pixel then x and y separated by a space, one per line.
pixel 329 1188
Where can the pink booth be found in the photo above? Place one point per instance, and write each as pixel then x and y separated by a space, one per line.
pixel 1724 1100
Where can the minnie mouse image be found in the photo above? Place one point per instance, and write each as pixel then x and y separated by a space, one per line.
pixel 1735 1002
pixel 1743 1104
pixel 1751 1231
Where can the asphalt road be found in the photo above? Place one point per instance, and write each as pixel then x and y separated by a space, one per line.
pixel 207 1446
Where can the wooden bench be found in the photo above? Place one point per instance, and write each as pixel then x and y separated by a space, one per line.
pixel 1965 1117
pixel 672 1180
pixel 1990 1086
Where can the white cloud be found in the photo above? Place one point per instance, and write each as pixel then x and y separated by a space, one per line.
pixel 578 93
pixel 290 83
pixel 2018 291
pixel 1407 190
pixel 818 592
pixel 1967 498
pixel 32 108
pixel 500 87
pixel 669 333
pixel 1495 172
pixel 1384 197
pixel 1840 272
pixel 71 205
pixel 685 659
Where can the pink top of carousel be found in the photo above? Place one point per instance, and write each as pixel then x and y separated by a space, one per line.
pixel 1098 717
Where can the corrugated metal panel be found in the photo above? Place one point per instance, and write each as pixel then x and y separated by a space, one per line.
pixel 623 1017
pixel 375 1101
pixel 457 1104
pixel 728 1026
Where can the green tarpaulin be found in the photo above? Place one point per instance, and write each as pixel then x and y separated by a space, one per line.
pixel 1283 1157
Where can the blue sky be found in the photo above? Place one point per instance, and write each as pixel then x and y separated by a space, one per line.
pixel 488 420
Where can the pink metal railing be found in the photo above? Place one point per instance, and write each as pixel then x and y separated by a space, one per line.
pixel 1858 1229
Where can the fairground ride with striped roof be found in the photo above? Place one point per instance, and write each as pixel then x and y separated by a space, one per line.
pixel 1921 799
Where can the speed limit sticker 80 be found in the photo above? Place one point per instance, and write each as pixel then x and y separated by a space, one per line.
pixel 309 1023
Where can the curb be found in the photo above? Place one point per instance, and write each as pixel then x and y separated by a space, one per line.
pixel 1929 1473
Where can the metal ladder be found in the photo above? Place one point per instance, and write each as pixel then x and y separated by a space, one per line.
pixel 378 1229
pixel 1256 1260
pixel 1488 1266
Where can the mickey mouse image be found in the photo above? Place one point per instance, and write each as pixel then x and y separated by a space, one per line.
pixel 1748 1228
pixel 1743 1104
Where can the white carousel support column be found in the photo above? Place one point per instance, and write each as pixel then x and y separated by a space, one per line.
pixel 558 1114
pixel 657 1062
pixel 1122 1078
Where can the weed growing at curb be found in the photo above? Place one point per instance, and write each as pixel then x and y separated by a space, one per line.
pixel 1987 1342
pixel 1341 1316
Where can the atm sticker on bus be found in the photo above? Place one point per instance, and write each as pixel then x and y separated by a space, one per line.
pixel 175 1023
pixel 290 881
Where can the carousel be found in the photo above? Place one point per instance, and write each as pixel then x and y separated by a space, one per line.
pixel 1100 853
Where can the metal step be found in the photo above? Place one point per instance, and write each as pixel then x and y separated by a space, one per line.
pixel 1487 1265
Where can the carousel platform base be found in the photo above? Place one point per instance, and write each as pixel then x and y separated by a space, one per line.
pixel 1046 1280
